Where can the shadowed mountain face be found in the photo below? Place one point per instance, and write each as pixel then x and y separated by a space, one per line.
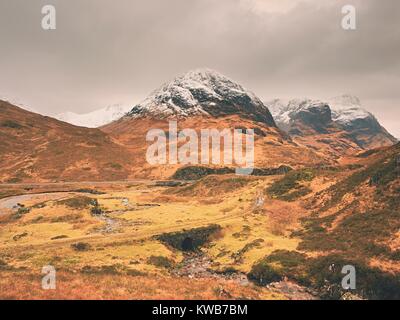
pixel 318 117
pixel 368 133
pixel 38 148
pixel 342 115
pixel 203 92
pixel 362 125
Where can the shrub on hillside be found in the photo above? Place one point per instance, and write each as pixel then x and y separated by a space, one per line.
pixel 324 275
pixel 80 246
pixel 80 202
pixel 189 240
pixel 160 261
pixel 289 188
pixel 11 124
pixel 263 273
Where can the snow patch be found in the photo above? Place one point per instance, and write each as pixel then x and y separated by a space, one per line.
pixel 345 109
pixel 186 95
pixel 96 118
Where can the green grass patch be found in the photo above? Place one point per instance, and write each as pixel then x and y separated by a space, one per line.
pixel 11 124
pixel 198 172
pixel 357 235
pixel 290 187
pixel 379 175
pixel 189 240
pixel 81 246
pixel 80 202
pixel 161 262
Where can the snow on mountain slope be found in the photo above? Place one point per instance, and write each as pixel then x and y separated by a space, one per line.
pixel 346 109
pixel 202 92
pixel 279 110
pixel 305 109
pixel 343 113
pixel 96 118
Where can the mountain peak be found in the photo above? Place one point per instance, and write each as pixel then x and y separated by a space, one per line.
pixel 202 92
pixel 346 109
pixel 343 113
pixel 95 118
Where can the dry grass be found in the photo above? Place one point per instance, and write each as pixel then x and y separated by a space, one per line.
pixel 22 285
pixel 143 212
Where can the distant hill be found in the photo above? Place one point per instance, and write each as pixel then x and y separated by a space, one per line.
pixel 341 115
pixel 95 118
pixel 38 148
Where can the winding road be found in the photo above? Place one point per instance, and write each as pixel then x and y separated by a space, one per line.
pixel 7 205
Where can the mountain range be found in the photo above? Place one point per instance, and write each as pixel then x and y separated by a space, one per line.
pixel 110 143
pixel 205 92
pixel 305 117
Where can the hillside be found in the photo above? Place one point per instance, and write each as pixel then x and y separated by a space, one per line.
pixel 352 219
pixel 38 148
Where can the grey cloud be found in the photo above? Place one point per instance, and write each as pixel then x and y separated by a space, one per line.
pixel 106 52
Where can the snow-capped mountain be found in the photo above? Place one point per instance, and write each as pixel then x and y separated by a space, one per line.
pixel 313 113
pixel 95 118
pixel 340 113
pixel 347 109
pixel 202 92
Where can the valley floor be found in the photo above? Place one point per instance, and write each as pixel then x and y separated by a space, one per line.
pixel 205 239
pixel 120 257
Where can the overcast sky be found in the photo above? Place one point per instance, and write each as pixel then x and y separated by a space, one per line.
pixel 105 52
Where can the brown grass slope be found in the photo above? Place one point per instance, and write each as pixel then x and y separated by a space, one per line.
pixel 38 148
pixel 272 147
pixel 355 221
